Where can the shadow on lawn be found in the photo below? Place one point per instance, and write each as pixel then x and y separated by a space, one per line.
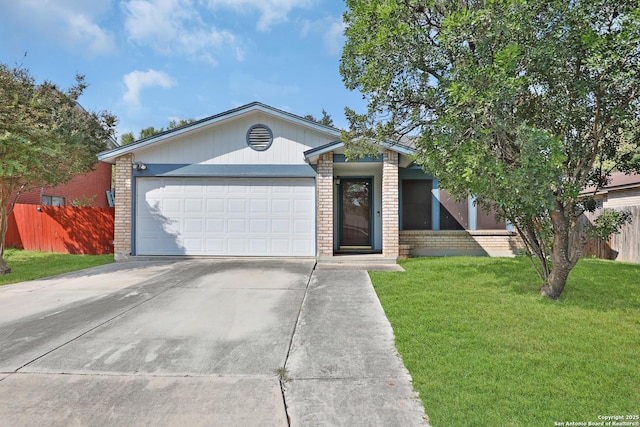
pixel 593 284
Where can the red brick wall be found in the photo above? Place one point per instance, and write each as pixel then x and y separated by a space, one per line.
pixel 94 185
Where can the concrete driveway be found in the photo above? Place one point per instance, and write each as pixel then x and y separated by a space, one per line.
pixel 201 342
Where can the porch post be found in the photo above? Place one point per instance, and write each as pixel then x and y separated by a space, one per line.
pixel 324 201
pixel 122 223
pixel 390 192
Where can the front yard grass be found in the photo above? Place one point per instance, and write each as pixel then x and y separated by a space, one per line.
pixel 484 349
pixel 30 265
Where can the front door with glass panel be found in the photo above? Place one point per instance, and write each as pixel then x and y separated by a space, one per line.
pixel 355 213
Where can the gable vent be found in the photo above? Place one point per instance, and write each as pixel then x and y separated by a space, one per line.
pixel 259 137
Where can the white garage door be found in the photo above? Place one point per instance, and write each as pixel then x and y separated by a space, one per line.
pixel 216 216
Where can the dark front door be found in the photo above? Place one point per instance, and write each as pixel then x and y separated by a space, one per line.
pixel 355 212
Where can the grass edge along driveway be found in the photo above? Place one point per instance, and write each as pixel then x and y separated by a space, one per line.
pixel 484 348
pixel 31 265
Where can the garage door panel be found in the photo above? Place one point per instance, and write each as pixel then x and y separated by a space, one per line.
pixel 161 245
pixel 301 206
pixel 171 205
pixel 237 225
pixel 237 246
pixel 194 206
pixel 302 245
pixel 193 245
pixel 193 225
pixel 216 225
pixel 301 226
pixel 208 216
pixel 281 206
pixel 280 225
pixel 216 205
pixel 259 226
pixel 258 246
pixel 259 206
pixel 258 189
pixel 214 246
pixel 237 206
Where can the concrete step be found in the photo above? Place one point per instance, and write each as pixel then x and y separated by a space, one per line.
pixel 369 262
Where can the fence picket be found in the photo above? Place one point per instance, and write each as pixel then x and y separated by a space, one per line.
pixel 64 229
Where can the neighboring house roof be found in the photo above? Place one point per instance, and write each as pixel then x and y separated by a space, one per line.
pixel 112 143
pixel 109 156
pixel 617 181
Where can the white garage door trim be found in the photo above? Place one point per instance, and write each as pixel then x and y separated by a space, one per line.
pixel 225 216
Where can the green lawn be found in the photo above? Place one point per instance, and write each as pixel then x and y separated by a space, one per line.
pixel 485 350
pixel 29 265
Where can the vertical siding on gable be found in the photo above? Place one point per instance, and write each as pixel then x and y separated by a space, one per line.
pixel 622 198
pixel 225 143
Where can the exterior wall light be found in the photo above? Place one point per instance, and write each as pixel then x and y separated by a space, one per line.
pixel 139 166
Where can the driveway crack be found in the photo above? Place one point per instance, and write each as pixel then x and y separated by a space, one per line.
pixel 283 379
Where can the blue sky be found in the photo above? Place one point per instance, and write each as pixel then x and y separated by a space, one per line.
pixel 152 61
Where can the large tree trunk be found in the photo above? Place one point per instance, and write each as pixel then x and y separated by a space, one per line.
pixel 560 256
pixel 4 268
pixel 6 188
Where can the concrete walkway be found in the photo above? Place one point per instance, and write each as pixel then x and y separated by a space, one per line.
pixel 199 342
pixel 343 364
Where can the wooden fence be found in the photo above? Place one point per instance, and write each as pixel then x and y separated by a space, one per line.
pixel 624 246
pixel 64 229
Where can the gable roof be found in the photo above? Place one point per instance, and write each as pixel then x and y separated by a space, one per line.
pixel 110 155
pixel 332 146
pixel 617 181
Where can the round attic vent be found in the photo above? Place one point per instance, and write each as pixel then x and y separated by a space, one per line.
pixel 259 137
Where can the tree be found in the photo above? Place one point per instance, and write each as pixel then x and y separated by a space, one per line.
pixel 46 138
pixel 128 138
pixel 174 124
pixel 325 120
pixel 520 103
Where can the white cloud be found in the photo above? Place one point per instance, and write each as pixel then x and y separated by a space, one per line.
pixel 330 28
pixel 272 12
pixel 82 28
pixel 138 80
pixel 174 27
pixel 334 37
pixel 71 22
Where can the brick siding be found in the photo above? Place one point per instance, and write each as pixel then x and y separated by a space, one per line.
pixel 122 224
pixel 324 200
pixel 473 243
pixel 390 224
pixel 90 188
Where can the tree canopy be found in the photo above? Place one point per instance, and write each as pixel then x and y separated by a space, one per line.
pixel 46 138
pixel 324 120
pixel 522 104
pixel 128 138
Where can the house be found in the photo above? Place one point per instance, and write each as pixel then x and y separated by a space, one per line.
pixel 90 189
pixel 621 193
pixel 259 181
pixel 55 225
pixel 45 220
pixel 622 190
